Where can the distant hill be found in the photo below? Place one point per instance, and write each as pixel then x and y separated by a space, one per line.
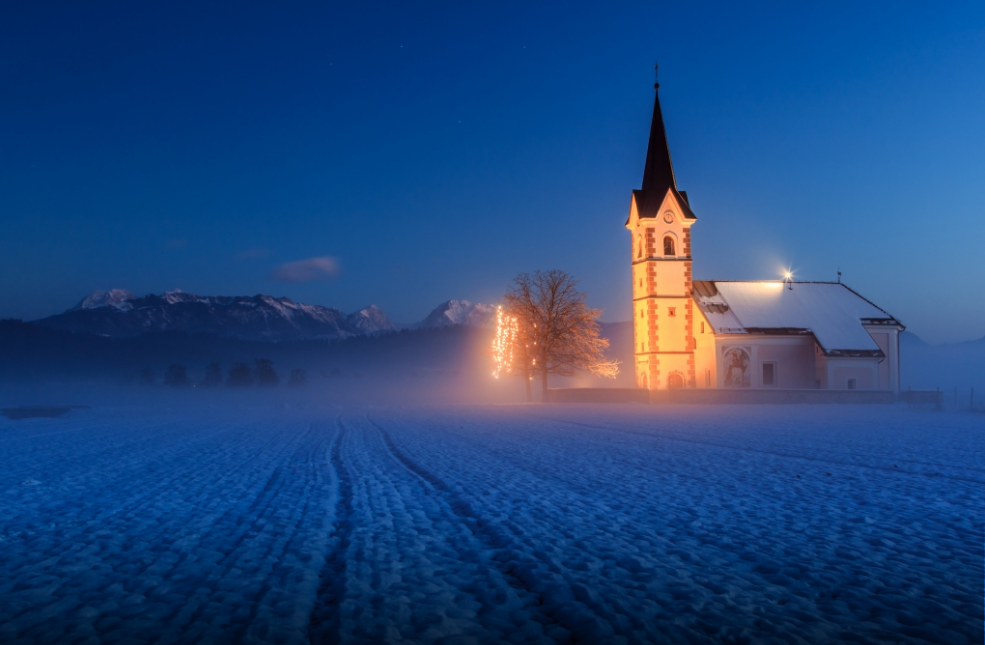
pixel 909 340
pixel 118 313
pixel 955 365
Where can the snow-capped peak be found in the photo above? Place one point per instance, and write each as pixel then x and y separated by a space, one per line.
pixel 370 320
pixel 177 295
pixel 459 312
pixel 117 298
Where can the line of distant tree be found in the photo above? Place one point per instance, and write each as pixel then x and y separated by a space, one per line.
pixel 240 375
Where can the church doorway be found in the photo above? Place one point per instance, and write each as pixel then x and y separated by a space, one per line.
pixel 675 381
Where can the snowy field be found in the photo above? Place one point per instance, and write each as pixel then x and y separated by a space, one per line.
pixel 523 524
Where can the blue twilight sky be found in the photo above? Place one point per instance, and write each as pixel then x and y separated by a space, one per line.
pixel 437 149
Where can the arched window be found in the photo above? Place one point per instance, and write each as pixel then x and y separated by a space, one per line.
pixel 669 246
pixel 643 381
pixel 639 246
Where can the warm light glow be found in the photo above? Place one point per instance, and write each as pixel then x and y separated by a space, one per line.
pixel 788 275
pixel 503 342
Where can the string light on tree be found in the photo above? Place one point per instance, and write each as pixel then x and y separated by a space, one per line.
pixel 503 342
pixel 545 327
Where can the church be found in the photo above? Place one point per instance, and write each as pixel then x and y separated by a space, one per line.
pixel 777 334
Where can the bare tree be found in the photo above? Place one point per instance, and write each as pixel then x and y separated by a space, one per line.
pixel 240 375
pixel 213 375
pixel 147 376
pixel 298 378
pixel 265 374
pixel 176 376
pixel 556 332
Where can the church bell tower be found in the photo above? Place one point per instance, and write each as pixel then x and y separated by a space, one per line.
pixel 660 220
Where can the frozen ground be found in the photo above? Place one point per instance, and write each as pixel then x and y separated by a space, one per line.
pixel 529 524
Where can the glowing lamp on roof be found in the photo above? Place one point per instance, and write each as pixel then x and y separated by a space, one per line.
pixel 788 279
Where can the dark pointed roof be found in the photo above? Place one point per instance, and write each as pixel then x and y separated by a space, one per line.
pixel 658 174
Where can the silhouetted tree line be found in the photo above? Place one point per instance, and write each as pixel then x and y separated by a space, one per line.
pixel 240 375
pixel 30 352
pixel 176 376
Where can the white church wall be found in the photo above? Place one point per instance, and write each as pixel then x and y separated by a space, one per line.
pixel 887 338
pixel 820 369
pixel 863 370
pixel 792 358
pixel 882 340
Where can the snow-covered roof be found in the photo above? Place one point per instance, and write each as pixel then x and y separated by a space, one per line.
pixel 830 311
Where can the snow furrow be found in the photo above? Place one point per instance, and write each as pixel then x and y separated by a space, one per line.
pixel 684 543
pixel 664 436
pixel 215 548
pixel 602 524
pixel 494 538
pixel 259 531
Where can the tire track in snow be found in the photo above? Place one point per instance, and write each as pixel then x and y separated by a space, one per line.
pixel 568 587
pixel 694 604
pixel 414 571
pixel 324 621
pixel 491 536
pixel 290 556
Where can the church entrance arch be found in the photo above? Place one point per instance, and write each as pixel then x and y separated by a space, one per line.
pixel 675 381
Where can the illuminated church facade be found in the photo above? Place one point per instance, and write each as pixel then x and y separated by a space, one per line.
pixel 740 334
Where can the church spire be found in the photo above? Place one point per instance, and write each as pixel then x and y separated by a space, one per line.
pixel 658 174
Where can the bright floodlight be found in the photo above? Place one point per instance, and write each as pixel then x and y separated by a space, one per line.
pixel 788 275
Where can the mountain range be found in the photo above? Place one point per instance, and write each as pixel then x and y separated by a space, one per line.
pixel 118 313
pixel 115 332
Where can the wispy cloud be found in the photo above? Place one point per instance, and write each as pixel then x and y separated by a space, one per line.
pixel 252 254
pixel 322 268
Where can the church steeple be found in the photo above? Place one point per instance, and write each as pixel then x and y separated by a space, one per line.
pixel 659 222
pixel 658 174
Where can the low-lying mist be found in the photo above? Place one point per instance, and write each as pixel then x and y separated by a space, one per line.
pixel 414 367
